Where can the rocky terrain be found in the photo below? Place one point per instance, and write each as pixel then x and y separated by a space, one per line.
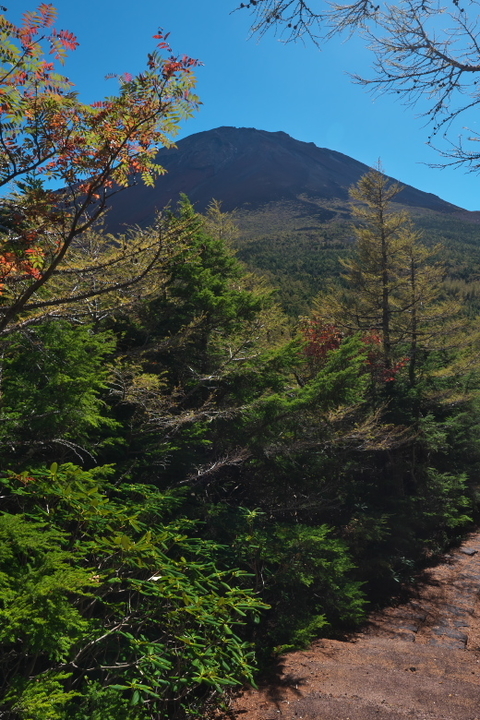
pixel 417 660
pixel 292 208
pixel 246 169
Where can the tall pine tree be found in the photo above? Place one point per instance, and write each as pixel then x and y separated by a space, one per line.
pixel 394 284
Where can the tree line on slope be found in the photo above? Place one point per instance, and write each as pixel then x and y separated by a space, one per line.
pixel 299 261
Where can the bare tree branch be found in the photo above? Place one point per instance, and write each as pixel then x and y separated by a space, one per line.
pixel 426 53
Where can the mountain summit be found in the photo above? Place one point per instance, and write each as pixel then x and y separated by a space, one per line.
pixel 247 168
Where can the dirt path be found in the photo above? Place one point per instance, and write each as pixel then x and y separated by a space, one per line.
pixel 420 660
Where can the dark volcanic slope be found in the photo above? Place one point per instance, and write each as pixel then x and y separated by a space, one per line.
pixel 244 167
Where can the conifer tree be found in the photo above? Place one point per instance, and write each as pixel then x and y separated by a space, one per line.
pixel 394 287
pixel 375 272
pixel 431 320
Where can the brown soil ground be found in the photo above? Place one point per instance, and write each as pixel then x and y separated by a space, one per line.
pixel 419 660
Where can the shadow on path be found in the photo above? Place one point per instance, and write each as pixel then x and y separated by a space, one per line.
pixel 419 659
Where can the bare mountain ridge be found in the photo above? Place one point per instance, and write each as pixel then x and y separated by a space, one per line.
pixel 247 168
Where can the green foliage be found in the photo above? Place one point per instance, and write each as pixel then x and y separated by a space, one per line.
pixel 37 577
pixel 52 376
pixel 299 246
pixel 270 482
pixel 100 590
pixel 43 699
pixel 206 295
pixel 296 246
pixel 305 574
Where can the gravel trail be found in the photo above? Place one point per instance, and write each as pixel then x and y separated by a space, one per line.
pixel 419 660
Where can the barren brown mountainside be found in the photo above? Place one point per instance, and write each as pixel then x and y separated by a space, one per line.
pixel 247 168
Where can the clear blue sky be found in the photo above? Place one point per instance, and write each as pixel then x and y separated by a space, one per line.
pixel 258 83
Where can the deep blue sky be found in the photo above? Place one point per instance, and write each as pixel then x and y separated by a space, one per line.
pixel 258 83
